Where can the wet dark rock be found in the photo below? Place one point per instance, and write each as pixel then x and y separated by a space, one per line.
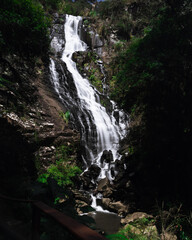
pixel 113 172
pixel 89 177
pixel 91 37
pixel 107 156
pixel 87 182
pixel 117 207
pixel 135 216
pixel 82 196
pixel 103 185
pixel 55 15
pixel 92 174
pixel 119 165
pixel 94 171
pixel 116 115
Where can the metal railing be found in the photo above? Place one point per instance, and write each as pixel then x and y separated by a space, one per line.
pixel 76 229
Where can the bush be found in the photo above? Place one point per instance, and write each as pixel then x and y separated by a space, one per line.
pixel 53 4
pixel 77 8
pixel 154 74
pixel 111 8
pixel 23 28
pixel 63 171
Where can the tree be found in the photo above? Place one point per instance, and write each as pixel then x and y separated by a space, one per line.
pixel 155 76
pixel 23 27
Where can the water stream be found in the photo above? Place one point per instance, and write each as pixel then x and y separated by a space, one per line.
pixel 100 130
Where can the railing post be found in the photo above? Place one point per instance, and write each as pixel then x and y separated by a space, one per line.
pixel 36 217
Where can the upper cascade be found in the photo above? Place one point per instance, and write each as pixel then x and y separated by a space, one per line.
pixel 100 130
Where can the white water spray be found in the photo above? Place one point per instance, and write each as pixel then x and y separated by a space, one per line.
pixel 99 124
pixel 109 132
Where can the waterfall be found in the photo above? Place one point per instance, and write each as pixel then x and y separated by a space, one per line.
pixel 100 130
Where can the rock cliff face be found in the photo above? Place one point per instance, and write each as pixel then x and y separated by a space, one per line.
pixel 31 127
pixel 30 115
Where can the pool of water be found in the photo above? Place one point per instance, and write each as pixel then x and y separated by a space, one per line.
pixel 107 222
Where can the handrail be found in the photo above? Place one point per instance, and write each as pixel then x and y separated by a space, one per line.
pixel 78 230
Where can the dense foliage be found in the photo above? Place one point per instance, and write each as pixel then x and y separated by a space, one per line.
pixel 127 18
pixel 50 4
pixel 78 7
pixel 64 170
pixel 119 17
pixel 154 82
pixel 23 27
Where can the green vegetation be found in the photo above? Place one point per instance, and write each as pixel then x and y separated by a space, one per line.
pixel 111 8
pixel 94 78
pixel 51 4
pixel 140 229
pixel 171 219
pixel 64 170
pixel 23 28
pixel 80 7
pixel 153 76
pixel 119 18
pixel 119 46
pixel 65 116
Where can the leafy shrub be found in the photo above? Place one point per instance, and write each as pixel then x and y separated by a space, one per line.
pixel 53 4
pixel 23 27
pixel 111 8
pixel 128 233
pixel 155 75
pixel 76 8
pixel 116 237
pixel 64 170
pixel 123 29
pixel 65 116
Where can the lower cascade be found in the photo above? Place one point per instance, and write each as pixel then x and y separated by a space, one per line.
pixel 100 131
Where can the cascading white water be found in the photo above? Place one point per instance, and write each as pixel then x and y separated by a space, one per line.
pixel 108 131
pixel 99 130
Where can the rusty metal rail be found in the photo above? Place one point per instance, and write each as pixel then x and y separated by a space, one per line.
pixel 76 229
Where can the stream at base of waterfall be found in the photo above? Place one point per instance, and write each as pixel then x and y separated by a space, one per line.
pixel 100 131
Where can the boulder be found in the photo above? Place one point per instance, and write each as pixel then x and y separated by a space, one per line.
pixel 108 192
pixel 106 202
pixel 94 171
pixel 80 205
pixel 103 185
pixel 147 232
pixel 117 207
pixel 86 181
pixel 82 196
pixel 91 174
pixel 116 115
pixel 107 156
pixel 135 216
pixel 168 236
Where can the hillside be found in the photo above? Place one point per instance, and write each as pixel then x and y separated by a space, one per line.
pixel 139 55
